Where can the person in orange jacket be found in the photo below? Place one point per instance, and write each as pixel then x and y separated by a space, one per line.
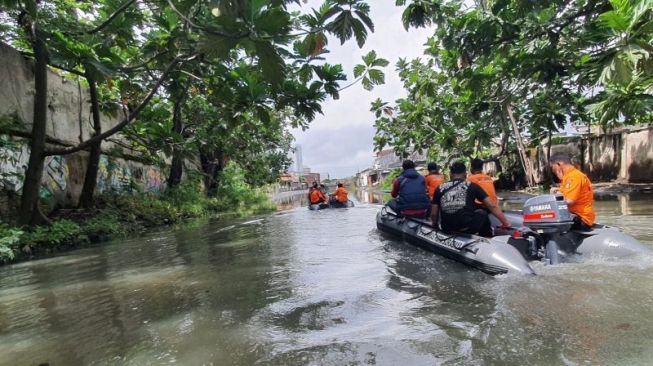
pixel 341 195
pixel 577 190
pixel 433 179
pixel 315 195
pixel 483 180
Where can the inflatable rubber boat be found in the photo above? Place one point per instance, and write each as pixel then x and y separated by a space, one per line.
pixel 542 231
pixel 331 204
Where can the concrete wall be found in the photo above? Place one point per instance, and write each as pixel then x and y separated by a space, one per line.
pixel 69 122
pixel 624 155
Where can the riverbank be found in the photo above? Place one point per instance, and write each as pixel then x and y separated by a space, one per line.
pixel 122 216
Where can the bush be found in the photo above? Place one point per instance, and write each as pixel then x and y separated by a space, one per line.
pixel 9 242
pixel 61 232
pixel 386 184
pixel 105 226
pixel 236 196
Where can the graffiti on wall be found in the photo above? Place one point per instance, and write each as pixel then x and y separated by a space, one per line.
pixel 14 157
pixel 113 177
pixel 153 180
pixel 55 176
pixel 13 164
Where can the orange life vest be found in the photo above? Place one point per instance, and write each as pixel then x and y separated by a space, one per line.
pixel 315 196
pixel 486 182
pixel 432 183
pixel 341 195
pixel 577 187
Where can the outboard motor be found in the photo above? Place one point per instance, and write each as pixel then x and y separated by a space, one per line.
pixel 548 216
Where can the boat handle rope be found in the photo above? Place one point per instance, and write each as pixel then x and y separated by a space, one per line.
pixel 443 237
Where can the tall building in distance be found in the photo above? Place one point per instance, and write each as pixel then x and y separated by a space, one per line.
pixel 299 162
pixel 298 175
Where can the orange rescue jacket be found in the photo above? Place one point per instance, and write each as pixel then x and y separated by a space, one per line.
pixel 341 195
pixel 316 196
pixel 577 187
pixel 486 182
pixel 432 183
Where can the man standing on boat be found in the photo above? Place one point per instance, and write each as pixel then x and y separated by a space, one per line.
pixel 454 203
pixel 409 192
pixel 577 190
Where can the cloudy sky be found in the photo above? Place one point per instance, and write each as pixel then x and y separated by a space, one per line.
pixel 339 143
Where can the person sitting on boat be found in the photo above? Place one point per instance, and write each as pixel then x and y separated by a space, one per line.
pixel 409 192
pixel 454 205
pixel 577 190
pixel 483 180
pixel 341 195
pixel 315 195
pixel 434 179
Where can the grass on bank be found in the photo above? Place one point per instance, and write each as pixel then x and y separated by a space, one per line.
pixel 118 216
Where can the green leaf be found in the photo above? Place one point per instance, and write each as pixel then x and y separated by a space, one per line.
pixel 273 22
pixel 217 46
pixel 369 58
pixel 615 21
pixel 377 77
pixel 365 19
pixel 342 27
pixel 359 32
pixel 359 70
pixel 271 63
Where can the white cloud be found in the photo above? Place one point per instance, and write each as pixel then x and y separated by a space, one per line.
pixel 340 141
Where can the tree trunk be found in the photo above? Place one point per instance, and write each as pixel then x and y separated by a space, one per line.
pixel 589 167
pixel 521 147
pixel 547 172
pixel 29 213
pixel 90 178
pixel 177 168
pixel 212 164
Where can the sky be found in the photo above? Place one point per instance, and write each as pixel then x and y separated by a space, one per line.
pixel 339 142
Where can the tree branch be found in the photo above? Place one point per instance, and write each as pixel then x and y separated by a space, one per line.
pixel 108 21
pixel 117 128
pixel 204 29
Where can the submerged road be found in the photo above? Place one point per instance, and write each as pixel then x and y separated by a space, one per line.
pixel 304 287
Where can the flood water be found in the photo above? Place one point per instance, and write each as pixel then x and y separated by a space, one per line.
pixel 304 287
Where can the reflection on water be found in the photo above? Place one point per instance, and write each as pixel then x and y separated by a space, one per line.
pixel 304 287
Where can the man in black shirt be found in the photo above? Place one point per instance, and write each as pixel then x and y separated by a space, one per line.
pixel 454 202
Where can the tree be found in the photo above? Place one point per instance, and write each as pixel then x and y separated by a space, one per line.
pixel 266 52
pixel 529 67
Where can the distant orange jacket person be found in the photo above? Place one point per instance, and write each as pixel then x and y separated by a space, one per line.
pixel 341 195
pixel 316 196
pixel 485 181
pixel 433 180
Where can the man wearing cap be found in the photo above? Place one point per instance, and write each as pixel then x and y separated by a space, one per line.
pixel 577 190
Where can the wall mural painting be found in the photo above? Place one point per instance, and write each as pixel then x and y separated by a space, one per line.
pixel 153 180
pixel 113 177
pixel 55 176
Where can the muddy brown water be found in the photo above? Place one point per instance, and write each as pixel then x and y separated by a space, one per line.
pixel 304 287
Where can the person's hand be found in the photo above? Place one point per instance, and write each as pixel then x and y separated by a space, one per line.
pixel 505 225
pixel 554 190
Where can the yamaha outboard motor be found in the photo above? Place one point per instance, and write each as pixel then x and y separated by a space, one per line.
pixel 548 216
